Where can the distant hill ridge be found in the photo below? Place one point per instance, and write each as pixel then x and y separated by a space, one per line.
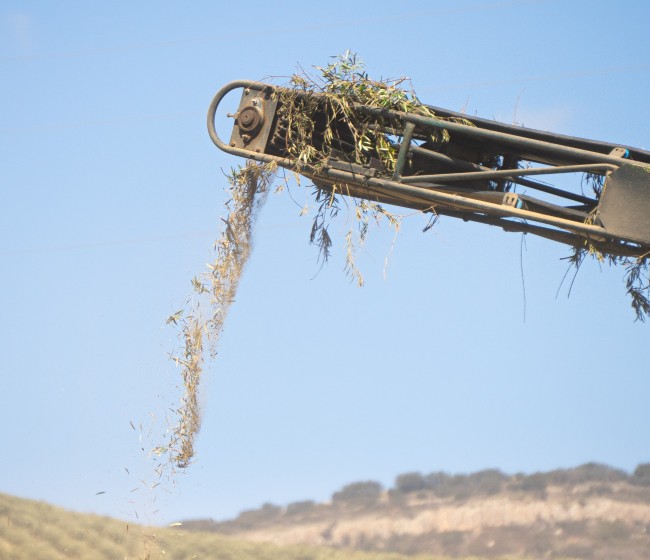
pixel 592 511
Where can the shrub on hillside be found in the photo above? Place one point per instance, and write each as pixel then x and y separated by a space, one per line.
pixel 641 476
pixel 359 494
pixel 455 486
pixel 300 508
pixel 437 479
pixel 411 482
pixel 535 482
pixel 589 472
pixel 487 482
pixel 254 516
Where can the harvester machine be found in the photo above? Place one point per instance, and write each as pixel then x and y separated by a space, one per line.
pixel 583 193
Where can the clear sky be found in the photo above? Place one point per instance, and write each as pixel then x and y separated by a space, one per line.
pixel 111 193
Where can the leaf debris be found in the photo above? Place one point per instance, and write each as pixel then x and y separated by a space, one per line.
pixel 202 320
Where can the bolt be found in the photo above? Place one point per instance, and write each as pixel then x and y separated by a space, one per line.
pixel 232 144
pixel 256 102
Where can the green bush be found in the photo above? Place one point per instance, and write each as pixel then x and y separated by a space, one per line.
pixel 641 475
pixel 487 482
pixel 253 516
pixel 452 487
pixel 533 483
pixel 359 493
pixel 300 508
pixel 411 482
pixel 589 472
pixel 437 479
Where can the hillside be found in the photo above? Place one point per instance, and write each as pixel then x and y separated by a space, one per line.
pixel 32 530
pixel 591 512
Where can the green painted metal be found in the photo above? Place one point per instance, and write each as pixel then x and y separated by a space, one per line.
pixel 455 182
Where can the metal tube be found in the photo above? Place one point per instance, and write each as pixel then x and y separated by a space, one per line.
pixel 507 173
pixel 448 160
pixel 385 195
pixel 457 201
pixel 493 136
pixel 461 163
pixel 212 110
pixel 403 150
pixel 575 240
pixel 635 154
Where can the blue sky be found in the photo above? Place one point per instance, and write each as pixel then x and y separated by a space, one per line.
pixel 111 197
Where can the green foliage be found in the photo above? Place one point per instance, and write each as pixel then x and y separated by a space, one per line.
pixel 453 486
pixel 301 508
pixel 533 483
pixel 637 282
pixel 641 475
pixel 492 481
pixel 359 494
pixel 313 110
pixel 637 275
pixel 589 472
pixel 336 91
pixel 323 116
pixel 488 481
pixel 437 480
pixel 411 482
pixel 443 485
pixel 254 517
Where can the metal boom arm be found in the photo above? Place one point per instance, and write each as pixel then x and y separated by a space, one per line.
pixel 483 172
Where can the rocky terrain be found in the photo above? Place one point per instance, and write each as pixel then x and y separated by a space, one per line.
pixel 592 511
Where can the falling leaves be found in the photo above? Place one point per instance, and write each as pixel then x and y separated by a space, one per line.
pixel 203 319
pixel 175 317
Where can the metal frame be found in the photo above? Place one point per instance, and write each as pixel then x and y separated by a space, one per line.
pixel 440 193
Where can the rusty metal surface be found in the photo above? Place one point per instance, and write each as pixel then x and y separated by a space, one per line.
pixel 253 119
